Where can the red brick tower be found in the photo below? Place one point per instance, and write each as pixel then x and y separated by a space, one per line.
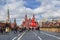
pixel 15 21
pixel 26 21
pixel 26 17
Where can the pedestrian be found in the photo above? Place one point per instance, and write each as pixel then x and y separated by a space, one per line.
pixel 1 30
pixel 15 30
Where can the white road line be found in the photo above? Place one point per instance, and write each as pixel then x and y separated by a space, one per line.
pixel 39 38
pixel 15 37
pixel 51 35
pixel 37 35
pixel 21 36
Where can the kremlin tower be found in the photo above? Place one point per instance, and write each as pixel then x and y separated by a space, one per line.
pixel 15 24
pixel 8 17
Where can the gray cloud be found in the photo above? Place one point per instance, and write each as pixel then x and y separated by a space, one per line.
pixel 18 10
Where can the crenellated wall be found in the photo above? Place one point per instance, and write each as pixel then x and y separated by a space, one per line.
pixel 51 29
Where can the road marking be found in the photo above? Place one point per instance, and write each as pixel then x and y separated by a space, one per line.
pixel 37 35
pixel 39 38
pixel 21 36
pixel 50 35
pixel 15 37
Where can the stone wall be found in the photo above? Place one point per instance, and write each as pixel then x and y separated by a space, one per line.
pixel 51 29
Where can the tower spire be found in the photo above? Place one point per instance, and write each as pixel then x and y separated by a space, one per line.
pixel 26 17
pixel 33 16
pixel 8 16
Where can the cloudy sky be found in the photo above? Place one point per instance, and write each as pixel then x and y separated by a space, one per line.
pixel 18 8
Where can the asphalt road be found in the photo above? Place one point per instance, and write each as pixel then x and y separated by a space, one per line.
pixel 31 35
